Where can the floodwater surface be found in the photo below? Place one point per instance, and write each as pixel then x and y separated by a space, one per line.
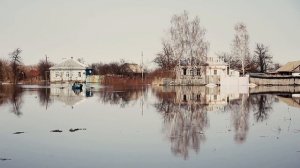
pixel 143 126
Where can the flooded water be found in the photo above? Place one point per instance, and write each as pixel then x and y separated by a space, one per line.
pixel 55 126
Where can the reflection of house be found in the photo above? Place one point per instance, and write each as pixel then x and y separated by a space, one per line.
pixel 291 68
pixel 212 98
pixel 290 100
pixel 68 70
pixel 66 95
pixel 201 74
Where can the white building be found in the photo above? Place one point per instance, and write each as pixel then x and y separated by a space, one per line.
pixel 210 72
pixel 68 70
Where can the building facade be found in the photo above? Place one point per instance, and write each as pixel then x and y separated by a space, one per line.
pixel 68 70
pixel 208 73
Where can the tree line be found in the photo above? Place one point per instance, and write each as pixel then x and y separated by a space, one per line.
pixel 13 69
pixel 185 42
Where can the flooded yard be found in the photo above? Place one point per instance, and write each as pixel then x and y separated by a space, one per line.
pixel 55 126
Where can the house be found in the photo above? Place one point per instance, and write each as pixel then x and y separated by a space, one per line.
pixel 291 68
pixel 201 74
pixel 68 70
pixel 131 69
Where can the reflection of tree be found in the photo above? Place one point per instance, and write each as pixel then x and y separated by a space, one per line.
pixel 12 94
pixel 240 121
pixel 44 96
pixel 262 106
pixel 4 94
pixel 16 100
pixel 122 96
pixel 184 124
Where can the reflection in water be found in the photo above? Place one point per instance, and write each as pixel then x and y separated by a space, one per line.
pixel 185 112
pixel 44 97
pixel 185 118
pixel 262 106
pixel 240 116
pixel 16 100
pixel 121 95
pixel 12 94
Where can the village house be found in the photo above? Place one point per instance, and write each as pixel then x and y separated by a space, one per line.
pixel 291 68
pixel 210 72
pixel 131 69
pixel 68 70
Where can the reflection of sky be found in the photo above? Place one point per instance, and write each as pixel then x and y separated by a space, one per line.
pixel 124 137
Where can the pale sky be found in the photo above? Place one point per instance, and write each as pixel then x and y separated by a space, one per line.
pixel 111 30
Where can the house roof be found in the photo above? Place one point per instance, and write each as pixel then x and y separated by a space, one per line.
pixel 135 68
pixel 69 64
pixel 289 67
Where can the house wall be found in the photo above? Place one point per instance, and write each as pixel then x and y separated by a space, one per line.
pixel 234 81
pixel 291 80
pixel 67 75
pixel 190 76
pixel 296 74
pixel 220 70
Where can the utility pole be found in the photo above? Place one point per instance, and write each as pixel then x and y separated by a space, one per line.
pixel 142 69
pixel 46 65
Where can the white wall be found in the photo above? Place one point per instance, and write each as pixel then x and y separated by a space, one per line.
pixel 67 75
pixel 295 74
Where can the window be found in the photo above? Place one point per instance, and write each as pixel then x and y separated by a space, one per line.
pixel 215 72
pixel 184 71
pixel 79 74
pixel 198 97
pixel 56 74
pixel 184 98
pixel 198 72
pixel 192 72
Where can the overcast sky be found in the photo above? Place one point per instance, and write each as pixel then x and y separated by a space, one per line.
pixel 110 30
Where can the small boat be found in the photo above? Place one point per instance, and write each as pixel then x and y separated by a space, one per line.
pixel 77 85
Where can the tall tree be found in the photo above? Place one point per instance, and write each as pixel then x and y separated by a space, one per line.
pixel 16 61
pixel 186 40
pixel 262 57
pixel 43 68
pixel 240 46
pixel 166 59
pixel 233 62
pixel 1 71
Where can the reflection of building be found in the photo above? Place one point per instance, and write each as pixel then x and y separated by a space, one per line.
pixel 66 95
pixel 185 109
pixel 212 98
pixel 68 70
pixel 291 100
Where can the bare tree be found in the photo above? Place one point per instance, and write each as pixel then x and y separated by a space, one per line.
pixel 16 61
pixel 263 58
pixel 186 40
pixel 240 46
pixel 233 62
pixel 2 70
pixel 43 68
pixel 166 59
